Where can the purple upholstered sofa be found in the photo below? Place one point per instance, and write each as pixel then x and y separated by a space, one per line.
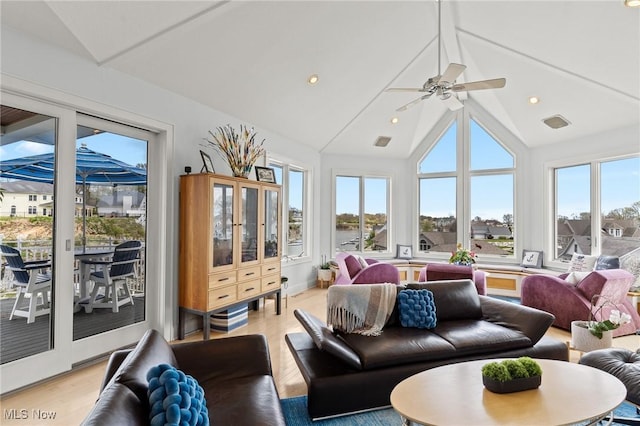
pixel 571 302
pixel 448 271
pixel 353 271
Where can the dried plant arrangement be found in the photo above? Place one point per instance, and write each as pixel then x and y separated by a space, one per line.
pixel 239 149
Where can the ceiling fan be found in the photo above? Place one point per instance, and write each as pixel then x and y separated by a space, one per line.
pixel 443 85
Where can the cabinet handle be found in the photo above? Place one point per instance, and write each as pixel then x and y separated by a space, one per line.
pixel 271 283
pixel 271 269
pixel 223 279
pixel 223 297
pixel 250 289
pixel 249 274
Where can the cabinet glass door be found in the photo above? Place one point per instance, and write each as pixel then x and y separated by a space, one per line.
pixel 271 231
pixel 249 221
pixel 222 225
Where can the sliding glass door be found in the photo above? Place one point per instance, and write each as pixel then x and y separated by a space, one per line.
pixel 73 197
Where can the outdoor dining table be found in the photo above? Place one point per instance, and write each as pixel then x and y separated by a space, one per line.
pixel 82 255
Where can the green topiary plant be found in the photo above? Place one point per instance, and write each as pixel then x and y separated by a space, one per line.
pixel 510 369
pixel 532 367
pixel 496 371
pixel 516 369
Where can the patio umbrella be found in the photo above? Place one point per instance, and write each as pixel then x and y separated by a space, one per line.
pixel 91 167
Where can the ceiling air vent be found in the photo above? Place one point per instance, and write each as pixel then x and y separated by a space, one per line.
pixel 382 141
pixel 556 121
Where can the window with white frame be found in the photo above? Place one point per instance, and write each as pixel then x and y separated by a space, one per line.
pixel 361 215
pixel 294 197
pixel 444 177
pixel 616 213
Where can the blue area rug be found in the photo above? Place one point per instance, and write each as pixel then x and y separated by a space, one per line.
pixel 295 413
pixel 515 300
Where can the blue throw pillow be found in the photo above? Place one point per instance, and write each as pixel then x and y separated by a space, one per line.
pixel 175 398
pixel 417 309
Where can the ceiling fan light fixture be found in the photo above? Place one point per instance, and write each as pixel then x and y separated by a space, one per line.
pixel 632 3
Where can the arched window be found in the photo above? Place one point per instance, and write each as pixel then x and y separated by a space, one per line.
pixel 466 192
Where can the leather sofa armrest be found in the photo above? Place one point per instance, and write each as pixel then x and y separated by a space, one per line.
pixel 225 358
pixel 326 341
pixel 115 360
pixel 533 323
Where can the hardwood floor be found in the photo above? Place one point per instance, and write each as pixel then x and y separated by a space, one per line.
pixel 72 395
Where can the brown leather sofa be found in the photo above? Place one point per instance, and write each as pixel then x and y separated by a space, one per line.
pixel 235 373
pixel 346 373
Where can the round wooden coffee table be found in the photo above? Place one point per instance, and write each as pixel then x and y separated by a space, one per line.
pixel 454 395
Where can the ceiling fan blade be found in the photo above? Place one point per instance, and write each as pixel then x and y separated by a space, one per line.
pixel 412 103
pixel 452 103
pixel 404 89
pixel 452 72
pixel 496 83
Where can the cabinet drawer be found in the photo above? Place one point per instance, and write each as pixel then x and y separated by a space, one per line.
pixel 272 268
pixel 269 283
pixel 222 279
pixel 222 296
pixel 248 289
pixel 248 273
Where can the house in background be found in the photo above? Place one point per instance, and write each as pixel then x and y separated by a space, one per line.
pixel 26 199
pixel 122 203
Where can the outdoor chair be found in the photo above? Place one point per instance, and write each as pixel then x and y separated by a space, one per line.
pixel 32 282
pixel 112 277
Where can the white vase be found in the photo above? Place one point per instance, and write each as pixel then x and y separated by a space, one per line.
pixel 582 340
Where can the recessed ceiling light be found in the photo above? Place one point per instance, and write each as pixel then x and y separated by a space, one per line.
pixel 534 100
pixel 394 120
pixel 632 3
pixel 313 79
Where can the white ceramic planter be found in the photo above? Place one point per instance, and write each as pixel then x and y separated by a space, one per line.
pixel 324 274
pixel 582 340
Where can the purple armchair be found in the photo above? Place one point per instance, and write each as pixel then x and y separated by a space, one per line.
pixel 572 302
pixel 448 271
pixel 352 271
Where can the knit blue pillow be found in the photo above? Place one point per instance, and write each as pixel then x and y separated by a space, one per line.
pixel 175 398
pixel 416 308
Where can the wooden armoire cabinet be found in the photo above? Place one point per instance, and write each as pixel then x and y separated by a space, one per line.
pixel 230 232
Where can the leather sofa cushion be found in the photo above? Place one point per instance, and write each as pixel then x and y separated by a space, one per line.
pixel 257 392
pixel 479 336
pixel 400 345
pixel 152 350
pixel 454 299
pixel 118 405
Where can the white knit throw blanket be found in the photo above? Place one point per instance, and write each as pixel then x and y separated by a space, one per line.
pixel 360 308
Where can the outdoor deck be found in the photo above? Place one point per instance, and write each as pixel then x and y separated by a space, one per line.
pixel 19 339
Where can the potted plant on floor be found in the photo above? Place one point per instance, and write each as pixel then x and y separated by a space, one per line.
pixel 512 375
pixel 590 335
pixel 324 270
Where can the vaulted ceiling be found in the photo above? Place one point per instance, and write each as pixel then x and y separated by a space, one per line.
pixel 252 59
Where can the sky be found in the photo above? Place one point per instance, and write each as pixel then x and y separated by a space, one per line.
pixel 128 150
